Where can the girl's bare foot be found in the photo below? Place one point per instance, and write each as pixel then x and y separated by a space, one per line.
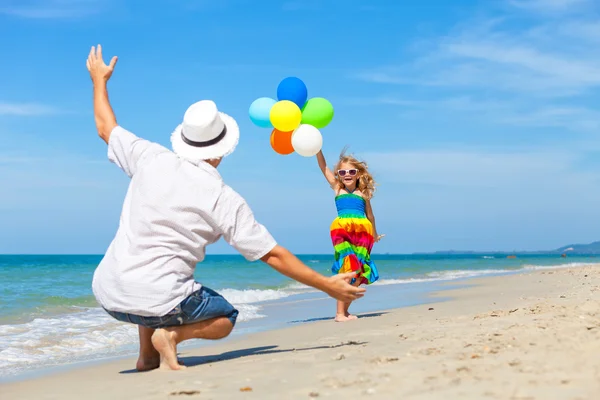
pixel 351 317
pixel 341 318
pixel 164 342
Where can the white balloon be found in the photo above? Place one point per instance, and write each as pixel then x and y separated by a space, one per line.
pixel 307 140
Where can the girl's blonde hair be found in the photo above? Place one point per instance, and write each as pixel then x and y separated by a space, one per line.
pixel 365 183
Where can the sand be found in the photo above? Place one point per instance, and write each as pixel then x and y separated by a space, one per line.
pixel 526 336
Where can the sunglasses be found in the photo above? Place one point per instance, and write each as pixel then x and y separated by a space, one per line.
pixel 343 172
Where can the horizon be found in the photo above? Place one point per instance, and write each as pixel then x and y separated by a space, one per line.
pixel 455 252
pixel 478 119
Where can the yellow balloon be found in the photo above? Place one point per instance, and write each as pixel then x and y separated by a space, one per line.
pixel 285 116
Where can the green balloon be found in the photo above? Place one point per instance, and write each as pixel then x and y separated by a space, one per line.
pixel 317 112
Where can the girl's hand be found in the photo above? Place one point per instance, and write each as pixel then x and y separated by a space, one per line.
pixel 378 237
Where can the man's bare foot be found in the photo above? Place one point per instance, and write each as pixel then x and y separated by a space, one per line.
pixel 164 342
pixel 147 363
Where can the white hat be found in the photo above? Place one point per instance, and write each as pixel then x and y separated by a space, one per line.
pixel 205 133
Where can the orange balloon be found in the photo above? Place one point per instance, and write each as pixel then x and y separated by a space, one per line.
pixel 281 142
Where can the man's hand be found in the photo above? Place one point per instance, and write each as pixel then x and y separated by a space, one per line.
pixel 99 71
pixel 100 74
pixel 338 287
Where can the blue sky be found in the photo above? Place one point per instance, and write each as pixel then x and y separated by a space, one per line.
pixel 479 119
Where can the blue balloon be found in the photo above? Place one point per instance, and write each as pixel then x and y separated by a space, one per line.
pixel 294 90
pixel 260 110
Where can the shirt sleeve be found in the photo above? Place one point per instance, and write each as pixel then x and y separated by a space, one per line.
pixel 129 152
pixel 239 227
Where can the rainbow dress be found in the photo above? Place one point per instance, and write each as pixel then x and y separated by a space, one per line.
pixel 352 237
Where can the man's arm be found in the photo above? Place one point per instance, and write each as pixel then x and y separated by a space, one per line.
pixel 100 74
pixel 236 222
pixel 103 112
pixel 337 286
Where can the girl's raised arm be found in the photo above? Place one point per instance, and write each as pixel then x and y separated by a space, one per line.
pixel 325 169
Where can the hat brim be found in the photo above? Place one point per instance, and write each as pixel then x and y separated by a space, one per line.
pixel 223 148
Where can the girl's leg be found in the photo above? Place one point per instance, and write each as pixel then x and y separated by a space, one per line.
pixel 347 305
pixel 342 314
pixel 342 311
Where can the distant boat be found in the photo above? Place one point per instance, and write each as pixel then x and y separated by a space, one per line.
pixel 511 256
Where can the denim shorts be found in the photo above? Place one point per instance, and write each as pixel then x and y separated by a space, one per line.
pixel 199 306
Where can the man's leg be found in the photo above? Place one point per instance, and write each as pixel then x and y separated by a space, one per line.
pixel 149 357
pixel 165 340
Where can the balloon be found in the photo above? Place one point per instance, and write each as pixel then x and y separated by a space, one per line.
pixel 285 116
pixel 307 140
pixel 292 89
pixel 317 112
pixel 281 142
pixel 259 112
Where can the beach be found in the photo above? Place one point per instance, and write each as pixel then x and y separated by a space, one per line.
pixel 532 335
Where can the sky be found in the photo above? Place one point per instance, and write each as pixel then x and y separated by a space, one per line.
pixel 478 118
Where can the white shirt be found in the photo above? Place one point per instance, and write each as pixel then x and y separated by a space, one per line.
pixel 173 209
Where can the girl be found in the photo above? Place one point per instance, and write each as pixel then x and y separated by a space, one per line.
pixel 353 232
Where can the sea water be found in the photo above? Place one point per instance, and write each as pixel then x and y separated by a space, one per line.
pixel 49 317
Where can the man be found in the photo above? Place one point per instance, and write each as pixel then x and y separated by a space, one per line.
pixel 175 206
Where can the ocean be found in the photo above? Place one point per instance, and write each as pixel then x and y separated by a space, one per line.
pixel 49 317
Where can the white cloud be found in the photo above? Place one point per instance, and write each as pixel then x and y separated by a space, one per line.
pixel 512 112
pixel 506 61
pixel 530 169
pixel 544 72
pixel 26 109
pixel 550 5
pixel 12 159
pixel 51 9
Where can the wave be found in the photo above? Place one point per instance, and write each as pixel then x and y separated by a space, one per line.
pixel 557 266
pixel 249 296
pixel 472 273
pixel 60 339
pixel 78 333
pixel 444 276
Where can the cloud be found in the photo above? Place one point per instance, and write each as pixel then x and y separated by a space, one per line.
pixel 15 159
pixel 550 5
pixel 505 61
pixel 27 109
pixel 485 197
pixel 59 169
pixel 483 168
pixel 508 112
pixel 57 158
pixel 51 9
pixel 542 72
